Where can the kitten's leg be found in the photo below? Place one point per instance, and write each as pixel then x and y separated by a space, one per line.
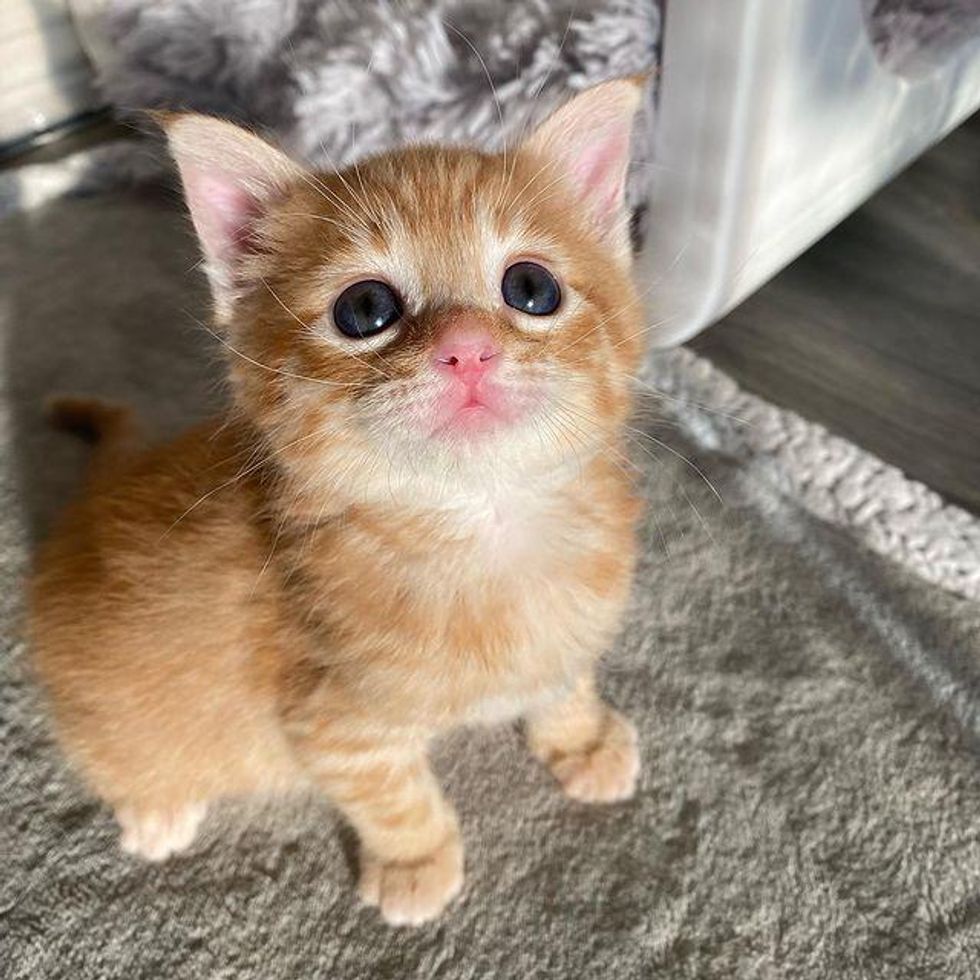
pixel 590 748
pixel 157 833
pixel 411 854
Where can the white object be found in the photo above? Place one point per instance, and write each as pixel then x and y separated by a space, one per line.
pixel 45 77
pixel 775 121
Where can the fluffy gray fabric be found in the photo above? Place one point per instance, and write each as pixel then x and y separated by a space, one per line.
pixel 334 80
pixel 332 76
pixel 808 717
pixel 909 34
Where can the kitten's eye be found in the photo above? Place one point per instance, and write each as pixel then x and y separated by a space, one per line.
pixel 366 308
pixel 531 288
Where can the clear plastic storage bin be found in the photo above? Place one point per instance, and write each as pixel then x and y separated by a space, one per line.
pixel 776 119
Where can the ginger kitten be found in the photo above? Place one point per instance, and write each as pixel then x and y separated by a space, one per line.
pixel 415 517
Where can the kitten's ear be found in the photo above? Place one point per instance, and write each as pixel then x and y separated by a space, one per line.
pixel 230 178
pixel 588 140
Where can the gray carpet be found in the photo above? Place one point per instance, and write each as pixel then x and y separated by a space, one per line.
pixel 808 715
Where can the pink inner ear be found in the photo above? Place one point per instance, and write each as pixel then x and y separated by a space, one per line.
pixel 222 211
pixel 599 170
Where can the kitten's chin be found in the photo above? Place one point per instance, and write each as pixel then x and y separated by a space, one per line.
pixel 474 414
pixel 469 422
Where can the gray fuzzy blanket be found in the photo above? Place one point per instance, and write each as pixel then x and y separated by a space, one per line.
pixel 907 34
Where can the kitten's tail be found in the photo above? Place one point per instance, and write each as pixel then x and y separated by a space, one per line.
pixel 110 427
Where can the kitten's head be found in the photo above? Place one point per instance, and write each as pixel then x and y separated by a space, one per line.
pixel 433 314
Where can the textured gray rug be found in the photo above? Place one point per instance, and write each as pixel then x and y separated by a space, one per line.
pixel 809 711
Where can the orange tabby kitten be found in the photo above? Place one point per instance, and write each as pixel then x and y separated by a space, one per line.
pixel 414 518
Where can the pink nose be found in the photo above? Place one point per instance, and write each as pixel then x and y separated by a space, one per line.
pixel 466 353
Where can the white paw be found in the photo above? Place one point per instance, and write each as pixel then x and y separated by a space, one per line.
pixel 157 834
pixel 414 892
pixel 607 772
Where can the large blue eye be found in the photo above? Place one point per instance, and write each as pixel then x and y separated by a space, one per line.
pixel 366 308
pixel 531 288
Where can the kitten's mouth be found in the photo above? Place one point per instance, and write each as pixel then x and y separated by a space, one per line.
pixel 472 419
pixel 473 412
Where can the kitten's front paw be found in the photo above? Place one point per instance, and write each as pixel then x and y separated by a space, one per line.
pixel 158 834
pixel 410 893
pixel 604 773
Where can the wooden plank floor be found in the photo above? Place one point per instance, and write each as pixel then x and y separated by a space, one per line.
pixel 875 331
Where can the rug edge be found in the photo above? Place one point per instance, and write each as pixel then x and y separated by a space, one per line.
pixel 836 480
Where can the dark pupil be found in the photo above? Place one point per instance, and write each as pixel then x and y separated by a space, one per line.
pixel 531 288
pixel 366 308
